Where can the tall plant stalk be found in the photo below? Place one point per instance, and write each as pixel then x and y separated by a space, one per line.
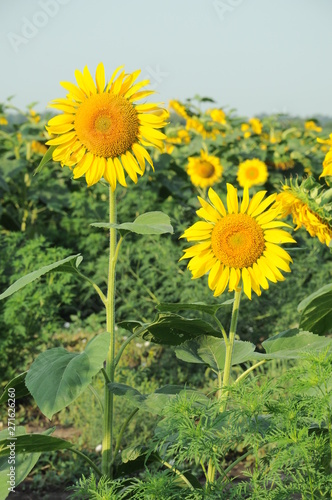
pixel 222 394
pixel 107 453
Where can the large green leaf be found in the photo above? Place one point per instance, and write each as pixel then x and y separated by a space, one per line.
pixel 193 306
pixel 34 443
pixel 292 344
pixel 172 329
pixel 155 402
pixel 17 383
pixel 316 311
pixel 24 461
pixel 57 376
pixel 212 352
pixel 148 223
pixel 29 278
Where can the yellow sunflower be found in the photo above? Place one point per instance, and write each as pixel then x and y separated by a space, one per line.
pixel 204 171
pixel 311 125
pixel 252 173
pixel 217 115
pixel 327 163
pixel 246 129
pixel 178 108
pixel 240 243
pixel 290 202
pixel 3 120
pixel 256 125
pixel 101 132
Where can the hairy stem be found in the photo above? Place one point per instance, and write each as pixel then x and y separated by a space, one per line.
pixel 107 454
pixel 229 347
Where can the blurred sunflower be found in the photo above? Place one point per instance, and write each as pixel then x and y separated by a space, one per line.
pixel 256 125
pixel 204 171
pixel 3 120
pixel 182 137
pixel 327 163
pixel 311 125
pixel 240 243
pixel 178 108
pixel 252 173
pixel 306 211
pixel 38 147
pixel 217 115
pixel 245 127
pixel 101 132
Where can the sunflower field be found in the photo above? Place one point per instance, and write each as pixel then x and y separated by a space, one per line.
pixel 166 298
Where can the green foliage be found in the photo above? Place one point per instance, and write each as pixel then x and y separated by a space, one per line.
pixel 57 377
pixel 28 317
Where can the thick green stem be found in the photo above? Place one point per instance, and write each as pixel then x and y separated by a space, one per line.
pixel 222 395
pixel 229 347
pixel 107 455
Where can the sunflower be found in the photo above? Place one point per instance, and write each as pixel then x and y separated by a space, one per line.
pixel 256 125
pixel 101 132
pixel 252 173
pixel 240 243
pixel 204 171
pixel 327 163
pixel 217 115
pixel 178 108
pixel 305 212
pixel 246 129
pixel 311 125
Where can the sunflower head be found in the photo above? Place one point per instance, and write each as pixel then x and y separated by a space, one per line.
pixel 252 173
pixel 241 242
pixel 204 170
pixel 102 132
pixel 310 206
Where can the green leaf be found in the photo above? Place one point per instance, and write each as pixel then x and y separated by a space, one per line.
pixel 130 325
pixel 34 443
pixel 29 278
pixel 172 329
pixel 193 306
pixel 24 462
pixel 212 352
pixel 149 223
pixel 57 376
pixel 155 402
pixel 316 311
pixel 130 464
pixel 46 158
pixel 17 383
pixel 292 344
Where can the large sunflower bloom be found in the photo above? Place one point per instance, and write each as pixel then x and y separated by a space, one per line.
pixel 241 242
pixel 101 132
pixel 303 215
pixel 252 173
pixel 204 171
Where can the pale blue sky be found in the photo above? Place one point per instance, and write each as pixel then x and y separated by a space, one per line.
pixel 254 55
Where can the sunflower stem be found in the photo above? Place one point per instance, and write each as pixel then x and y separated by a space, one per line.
pixel 224 381
pixel 229 349
pixel 107 454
